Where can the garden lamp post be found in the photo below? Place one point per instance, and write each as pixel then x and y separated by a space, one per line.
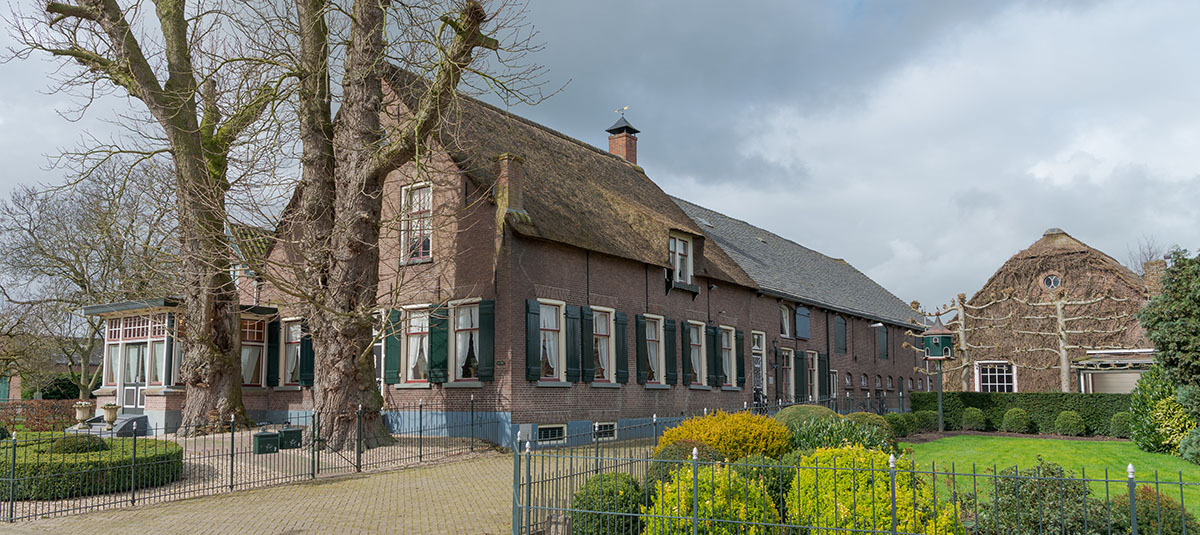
pixel 939 347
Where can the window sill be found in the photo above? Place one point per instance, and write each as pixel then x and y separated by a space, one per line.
pixel 606 385
pixel 253 389
pixel 657 386
pixel 553 384
pixel 731 389
pixel 410 386
pixel 463 384
pixel 699 387
pixel 417 262
pixel 288 388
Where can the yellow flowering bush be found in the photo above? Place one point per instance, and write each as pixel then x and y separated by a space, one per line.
pixel 734 435
pixel 1173 423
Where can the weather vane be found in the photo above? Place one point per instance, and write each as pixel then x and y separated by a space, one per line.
pixel 621 110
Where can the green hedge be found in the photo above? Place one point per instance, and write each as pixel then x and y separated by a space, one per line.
pixel 43 474
pixel 1043 407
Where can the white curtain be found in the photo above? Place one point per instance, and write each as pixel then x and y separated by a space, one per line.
pixel 251 359
pixel 652 349
pixel 550 333
pixel 466 325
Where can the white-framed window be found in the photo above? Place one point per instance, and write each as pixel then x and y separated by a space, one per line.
pixel 681 253
pixel 158 362
pixel 878 381
pixel 466 341
pixel 889 382
pixel 995 376
pixel 606 431
pixel 551 434
pixel 813 375
pixel 603 345
pixel 655 352
pixel 910 383
pixel 292 333
pixel 758 347
pixel 253 339
pixel 833 384
pixel 417 223
pixel 863 382
pixel 111 357
pixel 849 380
pixel 728 353
pixel 789 374
pixel 696 353
pixel 785 321
pixel 553 342
pixel 134 369
pixel 416 346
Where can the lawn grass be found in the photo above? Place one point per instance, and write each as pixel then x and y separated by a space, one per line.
pixel 1080 456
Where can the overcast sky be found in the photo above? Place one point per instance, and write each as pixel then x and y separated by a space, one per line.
pixel 923 142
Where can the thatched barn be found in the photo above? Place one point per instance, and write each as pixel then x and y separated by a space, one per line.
pixel 1057 316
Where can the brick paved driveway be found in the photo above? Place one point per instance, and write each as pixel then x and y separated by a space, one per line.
pixel 468 496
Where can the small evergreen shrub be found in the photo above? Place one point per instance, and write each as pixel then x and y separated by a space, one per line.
pixel 1149 505
pixel 45 475
pixel 607 503
pixel 876 420
pixel 1120 424
pixel 1152 387
pixel 1013 499
pixel 898 424
pixel 926 421
pixel 1043 407
pixel 1016 421
pixel 795 457
pixel 816 434
pixel 774 476
pixel 1173 423
pixel 910 420
pixel 669 458
pixel 735 435
pixel 973 420
pixel 1069 423
pixel 797 413
pixel 1189 447
pixel 726 499
pixel 78 444
pixel 862 496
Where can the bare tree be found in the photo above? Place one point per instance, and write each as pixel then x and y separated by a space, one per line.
pixel 1147 249
pixel 171 62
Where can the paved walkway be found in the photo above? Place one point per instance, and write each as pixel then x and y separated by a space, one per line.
pixel 466 496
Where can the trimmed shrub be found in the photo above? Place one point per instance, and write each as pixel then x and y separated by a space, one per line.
pixel 1014 497
pixel 798 413
pixel 1152 387
pixel 926 421
pixel 678 451
pixel 1119 425
pixel 1173 423
pixel 726 499
pixel 910 420
pixel 898 423
pixel 795 457
pixel 1043 407
pixel 973 420
pixel 774 476
pixel 78 444
pixel 870 418
pixel 1189 447
pixel 1016 421
pixel 54 476
pixel 607 503
pixel 735 435
pixel 816 434
pixel 61 386
pixel 1149 505
pixel 862 495
pixel 1069 423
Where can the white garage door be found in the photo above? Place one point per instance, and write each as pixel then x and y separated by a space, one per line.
pixel 1114 382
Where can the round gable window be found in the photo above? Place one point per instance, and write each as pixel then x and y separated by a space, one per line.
pixel 1051 282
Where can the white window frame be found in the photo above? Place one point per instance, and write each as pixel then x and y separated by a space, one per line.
pixel 661 360
pixel 833 384
pixel 409 312
pixel 789 372
pixel 758 350
pixel 561 367
pixel 455 306
pixel 813 375
pixel 785 321
pixel 681 276
pixel 728 355
pixel 284 379
pixel 601 428
pixel 562 439
pixel 610 374
pixel 700 376
pixel 405 222
pixel 978 375
pixel 260 344
pixel 864 381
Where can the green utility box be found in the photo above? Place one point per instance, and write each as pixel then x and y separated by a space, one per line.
pixel 266 442
pixel 290 438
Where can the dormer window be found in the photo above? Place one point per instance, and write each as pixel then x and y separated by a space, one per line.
pixel 785 321
pixel 680 248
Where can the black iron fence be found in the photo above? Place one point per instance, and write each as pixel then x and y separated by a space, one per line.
pixel 60 472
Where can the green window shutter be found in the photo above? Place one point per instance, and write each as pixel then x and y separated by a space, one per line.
pixel 739 357
pixel 621 334
pixel 4 382
pixel 573 335
pixel 803 323
pixel 801 372
pixel 273 333
pixel 307 355
pixel 778 374
pixel 486 345
pixel 392 342
pixel 587 346
pixel 881 343
pixel 671 374
pixel 839 335
pixel 716 377
pixel 439 344
pixel 533 340
pixel 685 353
pixel 823 375
pixel 639 348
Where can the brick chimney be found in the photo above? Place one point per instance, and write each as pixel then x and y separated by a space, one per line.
pixel 508 181
pixel 1153 273
pixel 622 140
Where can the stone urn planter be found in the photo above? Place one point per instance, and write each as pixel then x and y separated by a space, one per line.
pixel 110 415
pixel 83 411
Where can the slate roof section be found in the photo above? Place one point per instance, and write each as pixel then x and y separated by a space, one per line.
pixel 788 269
